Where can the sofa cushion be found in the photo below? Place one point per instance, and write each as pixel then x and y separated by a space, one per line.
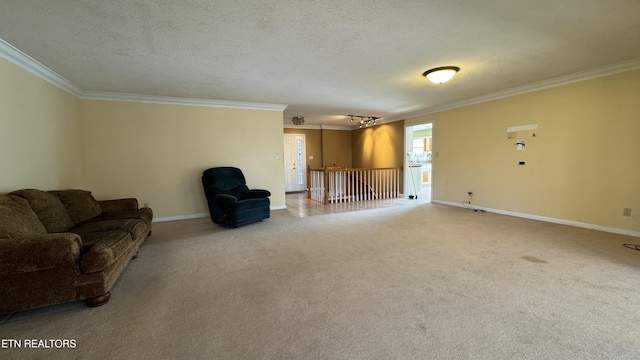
pixel 101 249
pixel 118 204
pixel 144 214
pixel 80 204
pixel 135 227
pixel 48 208
pixel 17 219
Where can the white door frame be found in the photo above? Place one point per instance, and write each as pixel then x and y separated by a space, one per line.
pixel 408 149
pixel 299 164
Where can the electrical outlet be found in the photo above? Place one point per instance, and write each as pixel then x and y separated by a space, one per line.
pixel 626 211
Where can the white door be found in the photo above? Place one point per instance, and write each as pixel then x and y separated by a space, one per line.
pixel 294 162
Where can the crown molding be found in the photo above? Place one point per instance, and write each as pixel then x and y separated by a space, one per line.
pixel 168 100
pixel 317 127
pixel 29 64
pixel 307 127
pixel 540 85
pixel 335 127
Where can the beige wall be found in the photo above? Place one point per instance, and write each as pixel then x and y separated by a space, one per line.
pixel 157 152
pixel 379 146
pixel 38 133
pixel 53 140
pixel 582 166
pixel 336 148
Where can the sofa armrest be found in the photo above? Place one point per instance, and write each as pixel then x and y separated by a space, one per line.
pixel 258 193
pixel 33 253
pixel 118 204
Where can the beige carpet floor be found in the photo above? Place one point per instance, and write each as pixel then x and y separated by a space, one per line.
pixel 424 281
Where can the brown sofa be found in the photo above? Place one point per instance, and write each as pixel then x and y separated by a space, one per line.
pixel 60 246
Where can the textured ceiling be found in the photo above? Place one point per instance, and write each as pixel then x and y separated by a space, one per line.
pixel 324 59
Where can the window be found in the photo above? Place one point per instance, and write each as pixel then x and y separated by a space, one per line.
pixel 300 162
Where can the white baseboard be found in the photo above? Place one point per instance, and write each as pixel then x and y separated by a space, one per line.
pixel 203 215
pixel 546 219
pixel 181 217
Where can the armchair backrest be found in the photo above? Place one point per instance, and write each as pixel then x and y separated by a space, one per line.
pixel 225 178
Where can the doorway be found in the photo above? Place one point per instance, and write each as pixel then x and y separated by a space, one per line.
pixel 294 162
pixel 418 161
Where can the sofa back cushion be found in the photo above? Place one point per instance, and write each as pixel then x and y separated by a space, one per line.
pixel 80 204
pixel 48 208
pixel 17 219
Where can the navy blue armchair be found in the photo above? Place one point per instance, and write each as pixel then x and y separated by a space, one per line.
pixel 231 202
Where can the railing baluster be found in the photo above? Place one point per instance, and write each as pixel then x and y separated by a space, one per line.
pixel 342 178
pixel 386 182
pixel 371 183
pixel 383 195
pixel 339 177
pixel 336 177
pixel 363 179
pixel 366 187
pixel 354 182
pixel 393 183
pixel 347 183
pixel 360 180
pixel 339 181
pixel 376 184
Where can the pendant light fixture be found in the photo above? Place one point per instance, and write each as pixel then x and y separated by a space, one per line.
pixel 441 74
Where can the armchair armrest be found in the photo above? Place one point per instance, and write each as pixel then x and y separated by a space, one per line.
pixel 222 199
pixel 27 254
pixel 258 193
pixel 118 204
pixel 211 191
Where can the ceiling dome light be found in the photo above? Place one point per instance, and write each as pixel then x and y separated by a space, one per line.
pixel 442 74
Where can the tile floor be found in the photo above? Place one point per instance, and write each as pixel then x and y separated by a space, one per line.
pixel 300 205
